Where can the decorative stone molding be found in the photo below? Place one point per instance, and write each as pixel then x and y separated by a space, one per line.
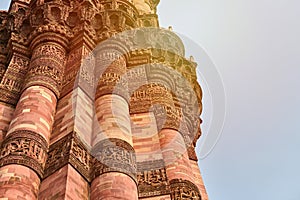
pixel 177 80
pixel 113 17
pixel 80 68
pixel 165 65
pixel 69 17
pixel 114 155
pixel 110 71
pixel 46 67
pixel 157 98
pixel 80 158
pixel 184 189
pixel 50 17
pixel 58 155
pixel 12 81
pixel 153 4
pixel 25 148
pixel 9 97
pixel 17 18
pixel 147 95
pixel 4 37
pixel 112 83
pixel 69 150
pixel 152 183
pixel 167 117
pixel 47 40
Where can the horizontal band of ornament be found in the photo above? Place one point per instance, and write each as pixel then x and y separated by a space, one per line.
pixel 25 148
pixel 58 155
pixel 111 90
pixel 8 96
pixel 114 155
pixel 184 189
pixel 41 80
pixel 152 183
pixel 71 150
pixel 150 165
pixel 100 169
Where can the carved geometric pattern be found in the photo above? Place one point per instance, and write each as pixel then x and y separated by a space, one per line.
pixel 24 148
pixel 58 155
pixel 54 28
pixel 114 155
pixel 46 67
pixel 112 83
pixel 183 190
pixel 110 73
pixel 152 183
pixel 80 158
pixel 12 80
pixel 8 96
pixel 152 178
pixel 69 150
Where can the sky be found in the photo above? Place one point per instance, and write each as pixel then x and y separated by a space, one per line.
pixel 254 47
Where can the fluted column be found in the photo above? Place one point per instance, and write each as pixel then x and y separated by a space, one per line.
pixel 115 171
pixel 24 149
pixel 171 140
pixel 173 147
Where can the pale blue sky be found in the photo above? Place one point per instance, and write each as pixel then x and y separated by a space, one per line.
pixel 255 45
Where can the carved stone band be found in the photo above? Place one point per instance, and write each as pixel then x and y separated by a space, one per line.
pixel 46 76
pixel 167 117
pixel 69 150
pixel 112 83
pixel 46 66
pixel 114 155
pixel 8 96
pixel 152 183
pixel 24 148
pixel 184 189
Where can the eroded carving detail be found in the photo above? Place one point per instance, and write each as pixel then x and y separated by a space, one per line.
pixel 80 158
pixel 24 148
pixel 50 50
pixel 184 189
pixel 152 182
pixel 70 150
pixel 12 81
pixel 46 68
pixel 112 83
pixel 58 155
pixel 111 155
pixel 114 155
pixel 111 74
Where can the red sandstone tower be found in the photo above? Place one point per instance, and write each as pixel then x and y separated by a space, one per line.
pixel 96 102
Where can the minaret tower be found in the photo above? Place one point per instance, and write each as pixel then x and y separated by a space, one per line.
pixel 96 102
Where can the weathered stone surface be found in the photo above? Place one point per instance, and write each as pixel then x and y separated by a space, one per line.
pixel 24 148
pixel 183 189
pixel 96 102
